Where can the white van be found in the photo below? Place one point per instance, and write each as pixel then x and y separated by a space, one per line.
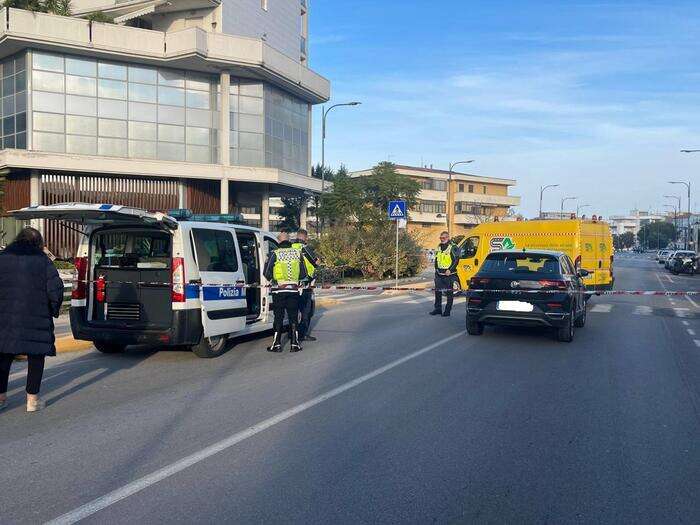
pixel 147 278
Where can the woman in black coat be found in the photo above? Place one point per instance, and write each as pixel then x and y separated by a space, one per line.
pixel 31 293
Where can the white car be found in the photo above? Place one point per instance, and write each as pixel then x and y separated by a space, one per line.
pixel 661 256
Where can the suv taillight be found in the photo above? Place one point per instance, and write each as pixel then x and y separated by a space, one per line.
pixel 79 283
pixel 553 284
pixel 178 280
pixel 478 282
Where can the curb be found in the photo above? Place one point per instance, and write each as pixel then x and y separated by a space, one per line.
pixel 68 344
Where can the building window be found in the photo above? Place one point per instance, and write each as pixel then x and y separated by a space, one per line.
pixel 461 187
pixel 14 102
pixel 433 184
pixel 484 188
pixel 286 132
pixel 431 207
pixel 471 209
pixel 94 107
pixel 471 188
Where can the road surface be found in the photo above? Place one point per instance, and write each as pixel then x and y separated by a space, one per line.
pixel 392 416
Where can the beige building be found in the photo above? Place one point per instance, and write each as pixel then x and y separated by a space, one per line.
pixel 471 200
pixel 203 104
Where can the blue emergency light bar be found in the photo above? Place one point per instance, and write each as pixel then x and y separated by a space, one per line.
pixel 183 215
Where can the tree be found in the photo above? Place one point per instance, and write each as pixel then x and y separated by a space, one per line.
pixel 657 235
pixel 317 171
pixel 623 241
pixel 291 212
pixel 56 7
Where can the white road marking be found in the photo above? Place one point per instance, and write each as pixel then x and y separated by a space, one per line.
pixel 601 309
pixel 643 310
pixel 686 323
pixel 402 297
pixel 681 312
pixel 669 278
pixel 691 331
pixel 696 305
pixel 138 485
pixel 697 342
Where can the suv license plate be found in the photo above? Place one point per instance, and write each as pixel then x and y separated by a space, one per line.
pixel 514 306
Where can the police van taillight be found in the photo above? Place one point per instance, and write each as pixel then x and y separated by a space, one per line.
pixel 178 280
pixel 79 283
pixel 100 289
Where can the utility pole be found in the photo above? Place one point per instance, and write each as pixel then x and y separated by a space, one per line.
pixel 449 193
pixel 542 188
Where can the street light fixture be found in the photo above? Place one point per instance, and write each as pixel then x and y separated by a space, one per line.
pixel 687 237
pixel 449 193
pixel 542 188
pixel 580 207
pixel 675 212
pixel 323 140
pixel 562 204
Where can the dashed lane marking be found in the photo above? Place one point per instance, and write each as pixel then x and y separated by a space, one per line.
pixel 686 323
pixel 601 308
pixel 643 310
pixel 691 331
pixel 696 305
pixel 697 342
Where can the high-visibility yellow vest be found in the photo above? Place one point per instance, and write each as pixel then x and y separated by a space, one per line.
pixel 444 257
pixel 310 268
pixel 287 268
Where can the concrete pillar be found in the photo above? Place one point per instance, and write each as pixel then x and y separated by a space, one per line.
pixel 303 214
pixel 265 208
pixel 35 197
pixel 224 195
pixel 181 193
pixel 224 119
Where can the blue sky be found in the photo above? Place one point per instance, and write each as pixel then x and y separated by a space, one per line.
pixel 598 97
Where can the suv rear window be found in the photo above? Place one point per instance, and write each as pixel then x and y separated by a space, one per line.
pixel 126 249
pixel 521 263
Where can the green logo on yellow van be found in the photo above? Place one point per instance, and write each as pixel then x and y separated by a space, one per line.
pixel 502 243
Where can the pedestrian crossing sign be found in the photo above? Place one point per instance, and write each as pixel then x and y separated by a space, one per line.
pixel 397 210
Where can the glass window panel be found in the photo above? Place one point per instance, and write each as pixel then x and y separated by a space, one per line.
pixel 142 93
pixel 233 138
pixel 197 99
pixel 251 140
pixel 170 77
pixel 85 67
pixel 198 136
pixel 171 133
pixel 48 142
pixel 253 106
pixel 21 124
pixel 139 149
pixel 8 125
pixel 20 81
pixel 277 129
pixel 198 82
pixel 21 102
pixel 48 122
pixel 81 86
pixel 52 102
pixel 199 154
pixel 8 142
pixel 233 88
pixel 81 125
pixel 171 115
pixel 111 128
pixel 233 103
pixel 251 90
pixel 21 141
pixel 8 85
pixel 112 109
pixel 47 61
pixel 142 131
pixel 47 81
pixel 248 157
pixel 143 112
pixel 81 145
pixel 199 117
pixel 111 70
pixel 170 151
pixel 111 89
pixel 20 63
pixel 145 75
pixel 250 123
pixel 76 105
pixel 111 147
pixel 171 96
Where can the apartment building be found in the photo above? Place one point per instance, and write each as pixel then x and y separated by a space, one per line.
pixel 204 104
pixel 471 200
pixel 633 221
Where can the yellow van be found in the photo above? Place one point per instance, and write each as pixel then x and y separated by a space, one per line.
pixel 588 243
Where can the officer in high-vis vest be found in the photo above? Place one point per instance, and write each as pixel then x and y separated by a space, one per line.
pixel 285 269
pixel 446 261
pixel 306 300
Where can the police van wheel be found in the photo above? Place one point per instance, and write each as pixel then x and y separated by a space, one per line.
pixel 210 347
pixel 109 348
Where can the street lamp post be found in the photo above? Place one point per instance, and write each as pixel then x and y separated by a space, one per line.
pixel 323 139
pixel 687 237
pixel 542 188
pixel 675 219
pixel 675 213
pixel 449 193
pixel 562 204
pixel 579 208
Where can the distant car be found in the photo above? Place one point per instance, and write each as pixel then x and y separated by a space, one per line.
pixel 662 255
pixel 527 288
pixel 678 254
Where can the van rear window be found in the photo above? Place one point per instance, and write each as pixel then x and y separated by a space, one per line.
pixel 132 250
pixel 216 250
pixel 521 263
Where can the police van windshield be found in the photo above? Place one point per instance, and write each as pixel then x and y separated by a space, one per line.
pixel 126 249
pixel 521 263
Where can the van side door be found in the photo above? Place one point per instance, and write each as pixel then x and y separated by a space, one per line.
pixel 218 259
pixel 269 245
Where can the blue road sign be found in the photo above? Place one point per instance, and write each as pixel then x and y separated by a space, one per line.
pixel 397 210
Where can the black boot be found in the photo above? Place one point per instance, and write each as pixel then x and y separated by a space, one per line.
pixel 437 311
pixel 296 346
pixel 276 345
pixel 446 313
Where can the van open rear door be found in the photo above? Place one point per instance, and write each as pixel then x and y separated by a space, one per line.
pixel 96 214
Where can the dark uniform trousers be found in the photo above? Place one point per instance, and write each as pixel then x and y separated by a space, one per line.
pixel 444 282
pixel 285 302
pixel 305 305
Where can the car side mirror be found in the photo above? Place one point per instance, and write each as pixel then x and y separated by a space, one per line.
pixel 583 273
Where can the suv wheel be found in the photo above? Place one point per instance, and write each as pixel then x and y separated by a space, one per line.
pixel 565 334
pixel 109 348
pixel 474 327
pixel 581 319
pixel 210 347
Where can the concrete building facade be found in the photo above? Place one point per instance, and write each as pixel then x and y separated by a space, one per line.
pixel 471 200
pixel 204 104
pixel 633 221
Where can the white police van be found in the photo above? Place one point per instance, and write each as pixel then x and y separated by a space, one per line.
pixel 152 279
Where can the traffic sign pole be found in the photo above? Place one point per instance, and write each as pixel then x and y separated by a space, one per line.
pixel 397 253
pixel 396 210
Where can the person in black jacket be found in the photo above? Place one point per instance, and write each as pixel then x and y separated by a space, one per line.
pixel 446 261
pixel 31 293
